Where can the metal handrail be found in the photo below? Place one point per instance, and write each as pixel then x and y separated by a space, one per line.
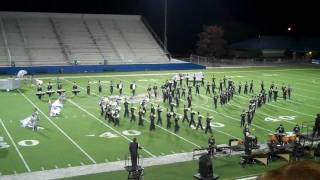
pixel 154 34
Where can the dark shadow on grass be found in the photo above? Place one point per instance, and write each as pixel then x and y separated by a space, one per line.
pixel 4 152
pixel 14 91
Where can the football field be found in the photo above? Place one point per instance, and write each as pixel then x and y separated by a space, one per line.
pixel 80 136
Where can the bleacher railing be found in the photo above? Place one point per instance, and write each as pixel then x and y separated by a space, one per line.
pixel 156 37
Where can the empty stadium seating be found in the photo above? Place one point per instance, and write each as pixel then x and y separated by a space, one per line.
pixel 42 39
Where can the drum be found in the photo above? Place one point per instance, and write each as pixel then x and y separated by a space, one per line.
pixel 273 137
pixel 285 139
pixel 292 138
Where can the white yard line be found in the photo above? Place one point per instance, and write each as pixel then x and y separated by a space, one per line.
pixel 55 125
pixel 295 111
pixel 15 146
pixel 230 135
pixel 93 116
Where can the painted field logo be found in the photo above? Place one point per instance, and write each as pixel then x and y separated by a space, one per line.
pixel 3 144
pixel 30 142
pixel 212 124
pixel 112 135
pixel 280 118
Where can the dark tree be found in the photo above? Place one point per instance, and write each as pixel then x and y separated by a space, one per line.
pixel 211 42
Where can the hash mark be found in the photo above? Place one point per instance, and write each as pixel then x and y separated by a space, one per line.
pixel 69 165
pixel 42 168
pixel 56 167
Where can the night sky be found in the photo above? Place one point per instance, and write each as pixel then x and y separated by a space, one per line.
pixel 241 19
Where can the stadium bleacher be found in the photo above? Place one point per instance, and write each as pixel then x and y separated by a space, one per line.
pixel 44 39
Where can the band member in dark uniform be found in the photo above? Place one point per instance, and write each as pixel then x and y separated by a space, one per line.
pixel 133 148
pixel 194 80
pixel 208 88
pixel 251 86
pixel 220 86
pixel 183 94
pixel 199 121
pixel 270 95
pixel 187 80
pixel 262 86
pixel 245 88
pixel 133 88
pixel 275 94
pixel 99 87
pixel 60 90
pixel 126 108
pixel 284 93
pixel 192 114
pixel 211 143
pixel 111 87
pixel 208 124
pixel 289 91
pixel 75 89
pixel 189 100
pixel 185 114
pixel 88 88
pixel 155 90
pixel 152 125
pixel 116 117
pixel 177 101
pixel 224 81
pixel 249 117
pixel 141 117
pixel 197 89
pixel 39 92
pixel 213 87
pixel 242 118
pixel 149 91
pixel 159 119
pixel 133 116
pixel 49 89
pixel 168 119
pixel 215 101
pixel 280 133
pixel 176 123
pixel 202 81
pixel 239 88
pixel 296 130
pixel 316 128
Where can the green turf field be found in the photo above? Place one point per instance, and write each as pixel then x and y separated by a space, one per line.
pixel 76 138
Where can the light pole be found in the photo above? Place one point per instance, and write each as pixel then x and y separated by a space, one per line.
pixel 165 24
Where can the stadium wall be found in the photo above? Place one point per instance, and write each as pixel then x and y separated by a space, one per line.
pixel 100 68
